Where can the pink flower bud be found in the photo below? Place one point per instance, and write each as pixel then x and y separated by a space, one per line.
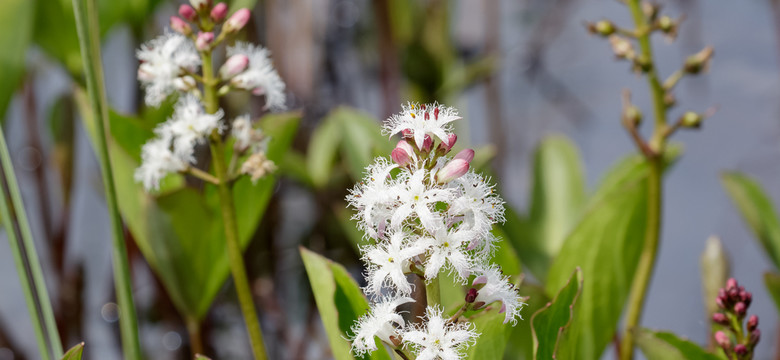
pixel 752 323
pixel 479 280
pixel 234 65
pixel 237 21
pixel 471 295
pixel 219 12
pixel 740 309
pixel 453 170
pixel 204 40
pixel 401 157
pixel 407 133
pixel 201 4
pixel 427 144
pixel 723 340
pixel 720 318
pixel 731 283
pixel 445 146
pixel 740 350
pixel 178 25
pixel 187 12
pixel 406 146
pixel 465 154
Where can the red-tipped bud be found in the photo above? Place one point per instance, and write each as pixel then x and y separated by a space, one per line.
pixel 752 323
pixel 180 26
pixel 731 283
pixel 720 319
pixel 465 154
pixel 723 340
pixel 219 12
pixel 401 157
pixel 201 4
pixel 740 350
pixel 471 295
pixel 746 297
pixel 187 12
pixel 740 309
pixel 204 40
pixel 237 21
pixel 453 170
pixel 234 65
pixel 427 144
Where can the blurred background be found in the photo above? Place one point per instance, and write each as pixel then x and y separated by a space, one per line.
pixel 517 71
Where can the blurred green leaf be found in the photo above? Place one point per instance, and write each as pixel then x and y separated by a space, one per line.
pixel 665 345
pixel 772 282
pixel 493 337
pixel 322 151
pixel 74 353
pixel 179 230
pixel 757 211
pixel 605 246
pixel 551 325
pixel 16 26
pixel 557 200
pixel 521 345
pixel 362 139
pixel 340 303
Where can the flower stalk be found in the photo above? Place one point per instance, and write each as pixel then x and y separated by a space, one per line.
pixel 89 40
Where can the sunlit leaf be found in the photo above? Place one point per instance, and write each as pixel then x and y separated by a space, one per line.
pixel 665 345
pixel 74 353
pixel 551 325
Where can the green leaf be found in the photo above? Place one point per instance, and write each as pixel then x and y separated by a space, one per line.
pixel 493 337
pixel 606 245
pixel 322 151
pixel 772 282
pixel 16 25
pixel 557 200
pixel 665 345
pixel 363 140
pixel 74 353
pixel 551 324
pixel 339 301
pixel 757 211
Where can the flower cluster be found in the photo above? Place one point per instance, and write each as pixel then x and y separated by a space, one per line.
pixel 171 64
pixel 426 214
pixel 733 302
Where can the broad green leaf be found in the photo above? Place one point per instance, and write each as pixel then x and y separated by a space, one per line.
pixel 179 230
pixel 74 353
pixel 363 140
pixel 493 337
pixel 339 301
pixel 657 345
pixel 714 265
pixel 557 199
pixel 757 211
pixel 605 245
pixel 322 150
pixel 551 325
pixel 521 345
pixel 16 26
pixel 772 282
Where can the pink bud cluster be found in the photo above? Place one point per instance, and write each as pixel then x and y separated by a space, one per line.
pixel 406 153
pixel 201 12
pixel 733 302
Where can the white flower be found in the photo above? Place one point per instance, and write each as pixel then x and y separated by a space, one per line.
pixel 430 119
pixel 449 247
pixel 498 288
pixel 389 260
pixel 438 338
pixel 477 202
pixel 415 197
pixel 162 60
pixel 374 196
pixel 157 161
pixel 260 77
pixel 246 135
pixel 257 166
pixel 383 321
pixel 189 125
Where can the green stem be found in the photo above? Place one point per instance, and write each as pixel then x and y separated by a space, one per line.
pixel 28 266
pixel 235 257
pixel 433 292
pixel 89 41
pixel 657 143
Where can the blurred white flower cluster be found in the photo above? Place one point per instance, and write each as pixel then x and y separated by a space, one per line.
pixel 426 213
pixel 172 64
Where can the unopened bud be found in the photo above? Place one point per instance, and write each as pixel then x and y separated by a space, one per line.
pixel 731 283
pixel 622 47
pixel 453 170
pixel 632 115
pixel 740 309
pixel 204 40
pixel 427 144
pixel 407 133
pixel 187 12
pixel 465 154
pixel 201 4
pixel 755 337
pixel 752 323
pixel 740 350
pixel 237 21
pixel 234 65
pixel 178 25
pixel 747 297
pixel 669 100
pixel 471 295
pixel 401 157
pixel 720 319
pixel 219 12
pixel 651 10
pixel 445 147
pixel 642 64
pixel 184 83
pixel 692 120
pixel 479 280
pixel 723 340
pixel 699 62
pixel 603 28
